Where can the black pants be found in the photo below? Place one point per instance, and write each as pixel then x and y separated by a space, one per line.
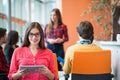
pixel 58 49
pixel 4 78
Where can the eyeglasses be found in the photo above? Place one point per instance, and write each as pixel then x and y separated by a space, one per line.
pixel 34 34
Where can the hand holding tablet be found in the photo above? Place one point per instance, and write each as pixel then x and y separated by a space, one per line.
pixel 31 68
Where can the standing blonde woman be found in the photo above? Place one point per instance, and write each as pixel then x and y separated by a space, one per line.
pixel 56 34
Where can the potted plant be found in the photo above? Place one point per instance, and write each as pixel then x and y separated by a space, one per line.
pixel 102 10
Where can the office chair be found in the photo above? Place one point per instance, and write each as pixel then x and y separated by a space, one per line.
pixel 56 64
pixel 92 65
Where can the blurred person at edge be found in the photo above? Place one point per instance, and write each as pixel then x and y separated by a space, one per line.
pixel 56 34
pixel 33 53
pixel 4 68
pixel 11 45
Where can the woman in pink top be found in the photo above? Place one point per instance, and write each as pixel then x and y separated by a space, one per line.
pixel 33 53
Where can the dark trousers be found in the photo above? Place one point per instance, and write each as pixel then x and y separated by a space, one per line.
pixel 58 49
pixel 4 78
pixel 92 77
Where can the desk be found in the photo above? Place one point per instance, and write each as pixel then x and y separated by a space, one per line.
pixel 115 56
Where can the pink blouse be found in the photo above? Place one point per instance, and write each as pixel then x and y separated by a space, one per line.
pixel 23 56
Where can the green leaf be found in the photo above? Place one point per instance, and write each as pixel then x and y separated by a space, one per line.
pixel 83 13
pixel 98 18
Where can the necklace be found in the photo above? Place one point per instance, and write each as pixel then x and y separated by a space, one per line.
pixel 84 42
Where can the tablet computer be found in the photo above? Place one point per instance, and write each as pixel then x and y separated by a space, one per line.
pixel 31 67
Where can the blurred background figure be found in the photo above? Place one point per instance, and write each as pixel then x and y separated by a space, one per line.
pixel 4 68
pixel 56 34
pixel 12 40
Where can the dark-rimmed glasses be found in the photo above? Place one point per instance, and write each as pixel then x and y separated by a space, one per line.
pixel 34 34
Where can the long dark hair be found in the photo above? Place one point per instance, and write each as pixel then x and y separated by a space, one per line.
pixel 58 14
pixel 26 42
pixel 12 37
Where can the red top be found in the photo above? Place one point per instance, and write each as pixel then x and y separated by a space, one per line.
pixel 4 68
pixel 23 56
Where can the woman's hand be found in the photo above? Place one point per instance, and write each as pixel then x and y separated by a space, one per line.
pixel 42 70
pixel 23 72
pixel 51 41
pixel 59 40
pixel 19 74
pixel 46 72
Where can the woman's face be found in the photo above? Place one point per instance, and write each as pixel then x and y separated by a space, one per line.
pixel 34 36
pixel 54 17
